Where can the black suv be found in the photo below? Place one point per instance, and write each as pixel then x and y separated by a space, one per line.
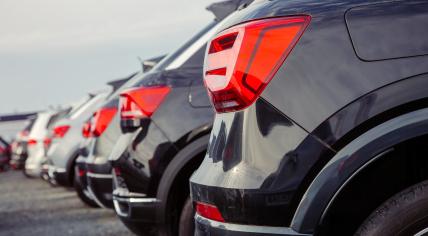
pixel 166 121
pixel 322 121
pixel 93 179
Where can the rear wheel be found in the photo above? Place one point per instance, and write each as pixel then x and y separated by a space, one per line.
pixel 187 224
pixel 406 213
pixel 175 213
pixel 24 171
pixel 79 190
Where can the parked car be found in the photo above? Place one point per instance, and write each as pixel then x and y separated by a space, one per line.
pixel 73 107
pixel 322 121
pixel 93 181
pixel 5 153
pixel 38 140
pixel 66 137
pixel 98 141
pixel 19 146
pixel 166 120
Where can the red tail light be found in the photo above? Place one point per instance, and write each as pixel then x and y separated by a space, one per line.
pixel 208 211
pixel 141 102
pixel 47 141
pixel 242 60
pixel 86 130
pixel 31 142
pixel 117 171
pixel 81 172
pixel 102 119
pixel 60 131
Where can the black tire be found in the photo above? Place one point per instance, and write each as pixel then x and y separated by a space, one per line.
pixel 136 227
pixel 79 190
pixel 187 224
pixel 406 213
pixel 168 214
pixel 24 171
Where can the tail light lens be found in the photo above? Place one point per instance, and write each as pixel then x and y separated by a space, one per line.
pixel 139 103
pixel 47 141
pixel 102 119
pixel 117 171
pixel 81 172
pixel 60 131
pixel 209 211
pixel 86 130
pixel 31 142
pixel 242 60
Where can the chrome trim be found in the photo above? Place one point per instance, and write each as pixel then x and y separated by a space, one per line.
pixel 135 200
pixel 118 210
pixel 143 200
pixel 128 201
pixel 59 170
pixel 422 232
pixel 100 176
pixel 247 228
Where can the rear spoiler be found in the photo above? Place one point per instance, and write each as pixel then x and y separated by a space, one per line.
pixel 116 84
pixel 225 8
pixel 148 64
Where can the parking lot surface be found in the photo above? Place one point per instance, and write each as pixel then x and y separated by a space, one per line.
pixel 33 207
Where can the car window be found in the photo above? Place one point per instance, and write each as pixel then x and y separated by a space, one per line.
pixel 175 59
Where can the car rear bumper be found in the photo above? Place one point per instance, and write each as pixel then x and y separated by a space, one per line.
pixel 100 186
pixel 206 227
pixel 59 176
pixel 139 209
pixel 34 170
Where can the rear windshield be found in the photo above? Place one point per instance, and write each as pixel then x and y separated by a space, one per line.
pixel 164 63
pixel 78 105
pixel 30 124
pixel 54 118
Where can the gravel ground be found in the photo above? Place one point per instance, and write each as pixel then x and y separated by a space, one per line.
pixel 33 207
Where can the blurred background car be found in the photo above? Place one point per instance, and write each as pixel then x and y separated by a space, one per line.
pixel 38 140
pixel 66 137
pixel 93 171
pixel 5 153
pixel 166 120
pixel 92 130
pixel 19 146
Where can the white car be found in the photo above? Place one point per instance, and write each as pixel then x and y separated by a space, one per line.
pixel 38 141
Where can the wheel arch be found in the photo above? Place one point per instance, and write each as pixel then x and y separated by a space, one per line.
pixel 70 166
pixel 170 190
pixel 351 160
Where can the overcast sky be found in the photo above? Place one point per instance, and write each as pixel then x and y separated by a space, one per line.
pixel 54 51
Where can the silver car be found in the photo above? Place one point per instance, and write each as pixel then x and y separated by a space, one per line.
pixel 66 138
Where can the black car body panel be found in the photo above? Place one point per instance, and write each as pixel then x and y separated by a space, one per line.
pixel 278 172
pixel 151 147
pixel 262 159
pixel 390 24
